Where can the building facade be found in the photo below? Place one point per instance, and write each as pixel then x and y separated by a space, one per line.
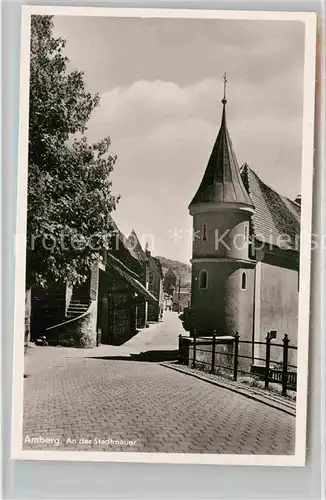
pixel 245 259
pixel 169 282
pixel 107 308
pixel 136 250
pixel 155 287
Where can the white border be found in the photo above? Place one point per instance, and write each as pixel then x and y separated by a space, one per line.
pixel 298 459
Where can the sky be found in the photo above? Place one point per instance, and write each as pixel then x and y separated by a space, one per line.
pixel 161 85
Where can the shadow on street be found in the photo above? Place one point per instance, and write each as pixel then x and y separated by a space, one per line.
pixel 148 356
pixel 122 339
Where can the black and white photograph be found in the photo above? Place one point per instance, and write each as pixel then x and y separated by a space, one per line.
pixel 163 236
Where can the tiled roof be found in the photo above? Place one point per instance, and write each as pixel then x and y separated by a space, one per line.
pixel 129 277
pixel 124 247
pixel 276 219
pixel 116 231
pixel 169 273
pixel 159 265
pixel 154 263
pixel 135 247
pixel 222 182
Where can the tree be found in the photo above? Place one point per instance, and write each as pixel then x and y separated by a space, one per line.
pixel 69 187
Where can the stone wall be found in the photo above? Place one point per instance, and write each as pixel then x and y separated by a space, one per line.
pixel 48 308
pixel 82 331
pixel 69 292
pixel 94 282
pixel 79 332
pixel 141 313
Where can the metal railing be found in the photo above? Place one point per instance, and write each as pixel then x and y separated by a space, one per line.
pixel 269 370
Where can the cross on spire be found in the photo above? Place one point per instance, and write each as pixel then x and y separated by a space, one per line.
pixel 224 82
pixel 222 182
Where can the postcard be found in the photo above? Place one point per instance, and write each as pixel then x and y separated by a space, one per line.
pixel 163 241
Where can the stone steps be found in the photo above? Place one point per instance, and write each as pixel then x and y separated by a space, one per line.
pixel 77 307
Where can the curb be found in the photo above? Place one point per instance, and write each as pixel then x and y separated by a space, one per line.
pixel 254 396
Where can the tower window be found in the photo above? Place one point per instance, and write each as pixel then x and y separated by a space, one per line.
pixel 203 279
pixel 204 232
pixel 243 281
pixel 246 233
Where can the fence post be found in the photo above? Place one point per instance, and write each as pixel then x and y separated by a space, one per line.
pixel 285 364
pixel 267 358
pixel 213 351
pixel 194 349
pixel 236 353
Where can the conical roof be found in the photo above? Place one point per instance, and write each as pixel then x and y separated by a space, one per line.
pixel 222 182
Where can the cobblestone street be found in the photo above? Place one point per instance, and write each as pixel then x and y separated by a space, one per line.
pixel 95 399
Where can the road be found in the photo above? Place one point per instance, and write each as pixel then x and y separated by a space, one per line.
pixel 103 400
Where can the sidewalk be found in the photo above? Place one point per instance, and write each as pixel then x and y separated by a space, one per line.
pixel 159 336
pixel 267 397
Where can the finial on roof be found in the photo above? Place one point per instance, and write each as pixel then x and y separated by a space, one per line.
pixel 222 181
pixel 224 101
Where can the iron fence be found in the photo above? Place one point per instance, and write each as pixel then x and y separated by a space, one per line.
pixel 268 369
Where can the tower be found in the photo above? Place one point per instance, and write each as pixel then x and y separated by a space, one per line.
pixel 222 287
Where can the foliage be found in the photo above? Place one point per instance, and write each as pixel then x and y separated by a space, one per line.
pixel 69 186
pixel 181 270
